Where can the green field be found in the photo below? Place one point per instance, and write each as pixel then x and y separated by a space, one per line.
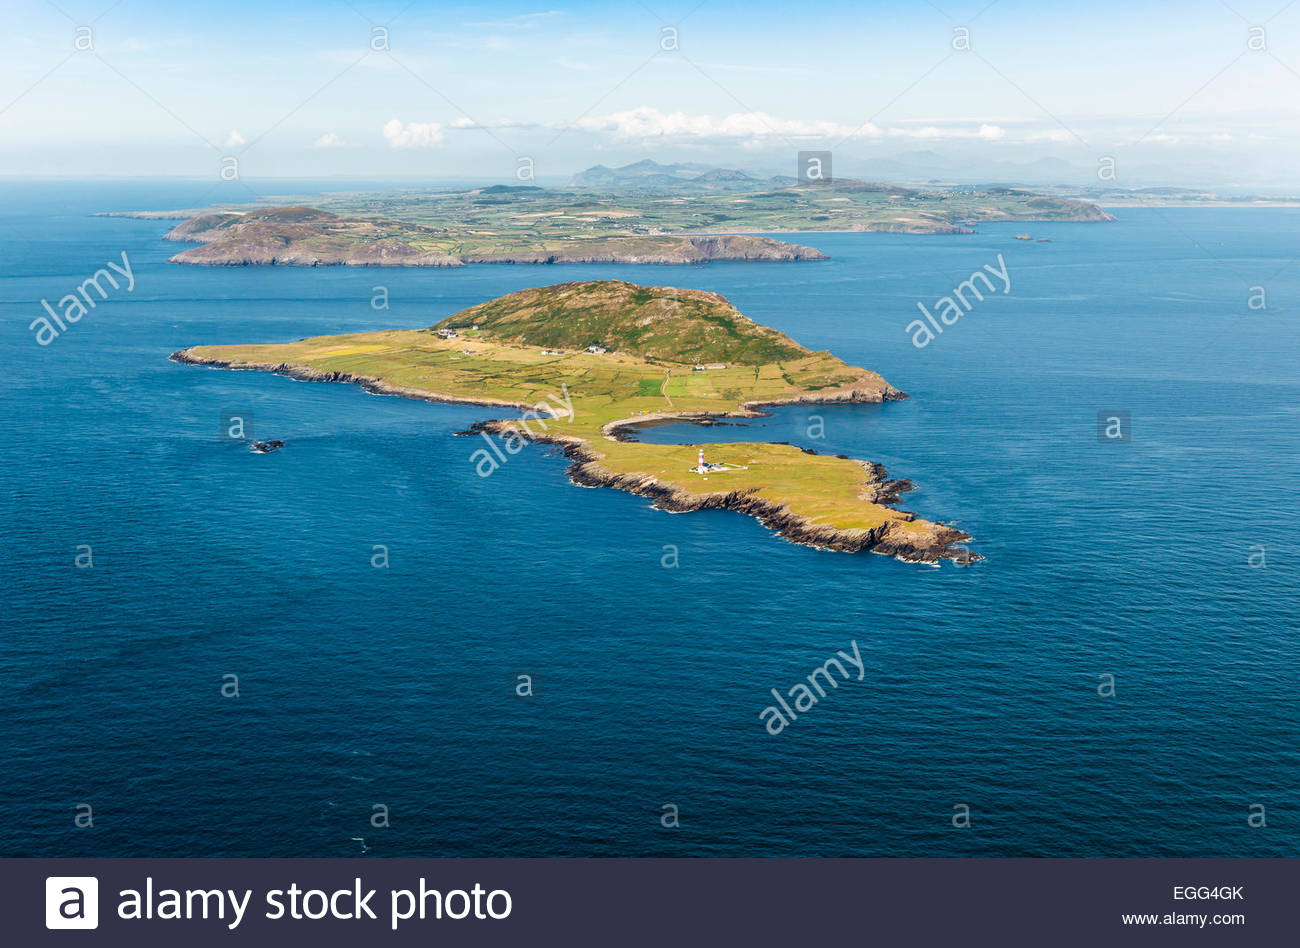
pixel 595 394
pixel 490 219
pixel 505 224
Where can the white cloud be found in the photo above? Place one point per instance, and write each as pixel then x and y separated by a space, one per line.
pixel 925 132
pixel 749 130
pixel 329 140
pixel 988 133
pixel 413 134
pixel 753 129
pixel 234 139
pixel 462 123
pixel 1057 135
pixel 648 122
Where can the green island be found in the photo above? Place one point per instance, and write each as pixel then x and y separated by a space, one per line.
pixel 642 213
pixel 586 363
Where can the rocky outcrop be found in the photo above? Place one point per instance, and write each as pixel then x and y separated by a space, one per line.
pixel 872 390
pixel 879 488
pixel 202 229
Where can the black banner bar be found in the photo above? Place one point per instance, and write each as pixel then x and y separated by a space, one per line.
pixel 660 902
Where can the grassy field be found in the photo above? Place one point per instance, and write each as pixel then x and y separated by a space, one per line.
pixel 586 396
pixel 497 218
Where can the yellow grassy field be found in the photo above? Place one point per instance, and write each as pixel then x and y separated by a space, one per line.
pixel 600 389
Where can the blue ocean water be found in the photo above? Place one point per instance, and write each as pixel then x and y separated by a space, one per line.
pixel 362 686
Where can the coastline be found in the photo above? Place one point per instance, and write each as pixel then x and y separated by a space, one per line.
pixel 924 544
pixel 369 383
pixel 1241 204
pixel 618 429
pixel 889 539
pixel 274 238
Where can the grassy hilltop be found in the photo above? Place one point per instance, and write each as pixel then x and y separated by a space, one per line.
pixel 656 337
pixel 655 323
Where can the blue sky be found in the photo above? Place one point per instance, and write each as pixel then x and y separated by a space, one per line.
pixel 1173 92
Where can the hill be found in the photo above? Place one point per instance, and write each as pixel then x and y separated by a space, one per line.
pixel 590 402
pixel 648 174
pixel 305 236
pixel 655 322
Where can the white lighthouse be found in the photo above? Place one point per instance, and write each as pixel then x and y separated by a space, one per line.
pixel 704 467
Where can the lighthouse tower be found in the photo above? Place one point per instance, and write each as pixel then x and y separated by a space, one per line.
pixel 701 467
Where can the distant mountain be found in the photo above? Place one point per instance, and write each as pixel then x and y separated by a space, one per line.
pixel 690 176
pixel 919 167
pixel 724 175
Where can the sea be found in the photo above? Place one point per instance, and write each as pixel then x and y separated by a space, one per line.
pixel 357 645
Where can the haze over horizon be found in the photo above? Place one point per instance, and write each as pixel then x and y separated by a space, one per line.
pixel 1201 96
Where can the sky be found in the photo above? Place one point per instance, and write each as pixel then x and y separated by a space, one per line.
pixel 1197 93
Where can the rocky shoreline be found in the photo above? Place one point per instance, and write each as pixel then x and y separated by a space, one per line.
pixel 304 237
pixel 375 386
pixel 891 539
pixel 621 429
pixel 375 254
pixel 394 253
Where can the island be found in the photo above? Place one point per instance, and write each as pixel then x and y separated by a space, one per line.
pixel 644 213
pixel 310 237
pixel 587 363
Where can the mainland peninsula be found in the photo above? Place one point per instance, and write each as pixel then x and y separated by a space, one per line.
pixel 643 213
pixel 586 363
